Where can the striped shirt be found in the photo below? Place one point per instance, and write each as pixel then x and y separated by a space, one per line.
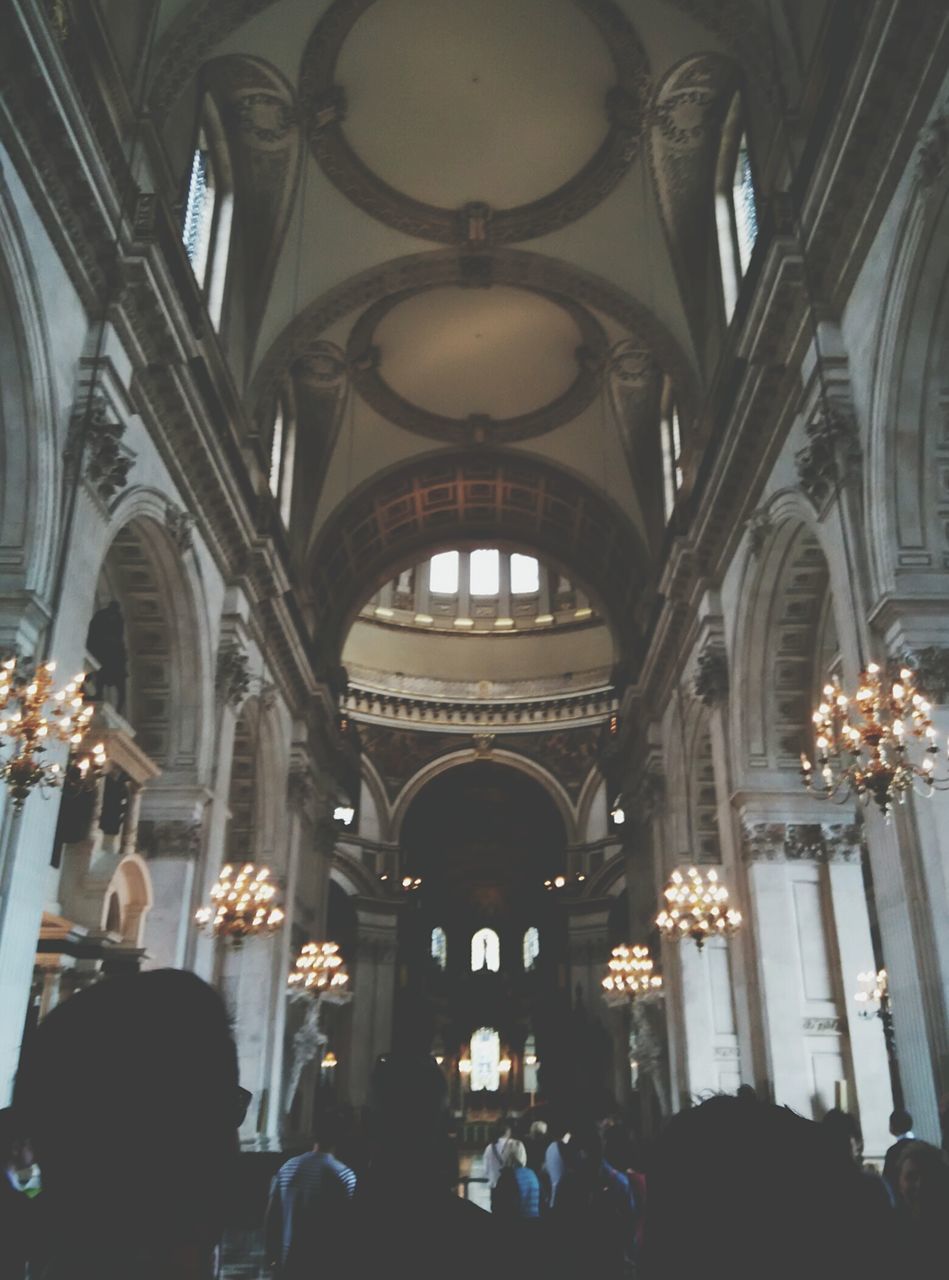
pixel 309 1211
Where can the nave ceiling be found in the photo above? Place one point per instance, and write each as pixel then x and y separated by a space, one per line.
pixel 492 223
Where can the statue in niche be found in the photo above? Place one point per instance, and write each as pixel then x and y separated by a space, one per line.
pixel 105 641
pixel 115 800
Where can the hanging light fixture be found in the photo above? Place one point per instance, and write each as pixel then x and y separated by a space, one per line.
pixel 880 744
pixel 242 905
pixel 319 970
pixel 630 975
pixel 32 716
pixel 697 908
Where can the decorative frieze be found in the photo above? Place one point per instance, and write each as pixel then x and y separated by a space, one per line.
pixel 802 842
pixel 822 1026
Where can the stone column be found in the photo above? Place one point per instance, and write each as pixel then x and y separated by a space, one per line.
pixel 373 990
pixel 170 837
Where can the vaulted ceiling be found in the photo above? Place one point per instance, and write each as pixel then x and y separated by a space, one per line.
pixel 475 229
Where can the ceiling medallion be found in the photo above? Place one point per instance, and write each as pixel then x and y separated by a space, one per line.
pixel 323 104
pixel 364 360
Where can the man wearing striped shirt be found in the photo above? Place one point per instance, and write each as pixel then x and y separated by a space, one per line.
pixel 310 1211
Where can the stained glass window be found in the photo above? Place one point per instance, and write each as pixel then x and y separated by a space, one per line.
pixel 531 947
pixel 485 1060
pixel 743 198
pixel 439 947
pixel 199 211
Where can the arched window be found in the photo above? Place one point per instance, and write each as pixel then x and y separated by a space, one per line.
pixel 531 948
pixel 282 450
pixel 485 1059
pixel 736 216
pixel 485 951
pixel 671 446
pixel 209 206
pixel 439 946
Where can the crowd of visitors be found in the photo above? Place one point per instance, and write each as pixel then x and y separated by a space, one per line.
pixel 128 1100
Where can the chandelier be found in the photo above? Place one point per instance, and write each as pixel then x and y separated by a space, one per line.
pixel 241 905
pixel 32 716
pixel 866 744
pixel 319 970
pixel 697 908
pixel 630 975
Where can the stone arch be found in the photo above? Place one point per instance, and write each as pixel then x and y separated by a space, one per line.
pixel 787 642
pixel 353 878
pixel 170 697
pixel 907 482
pixel 540 775
pixel 30 468
pixel 131 885
pixel 591 825
pixel 373 792
pixel 446 500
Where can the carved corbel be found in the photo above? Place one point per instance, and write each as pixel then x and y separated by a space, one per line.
pixel 711 677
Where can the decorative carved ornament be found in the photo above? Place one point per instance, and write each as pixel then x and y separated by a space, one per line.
pixel 932 671
pixel 324 105
pixel 169 838
pixel 300 788
pixel 363 359
pixel 180 525
pixel 832 453
pixel 232 677
pixel 802 842
pixel 760 527
pixel 95 443
pixel 711 677
pixel 822 1026
pixel 932 159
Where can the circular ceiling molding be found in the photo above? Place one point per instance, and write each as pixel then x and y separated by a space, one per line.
pixel 518 268
pixel 480 90
pixel 477 365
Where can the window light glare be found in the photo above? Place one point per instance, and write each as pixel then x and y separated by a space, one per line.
pixel 544 617
pixel 464 622
pixel 525 575
pixel 484 574
pixel 382 611
pixel 504 622
pixel 443 573
pixel 583 613
pixel 424 619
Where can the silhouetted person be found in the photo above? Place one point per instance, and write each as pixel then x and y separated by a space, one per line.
pixel 922 1190
pixel 17 1210
pixel 776 1192
pixel 409 1221
pixel 593 1219
pixel 845 1132
pixel 105 641
pixel 309 1216
pixel 901 1128
pixel 130 1093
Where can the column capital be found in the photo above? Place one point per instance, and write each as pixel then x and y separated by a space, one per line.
pixel 802 842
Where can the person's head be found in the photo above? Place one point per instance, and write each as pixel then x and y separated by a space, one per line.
pixel 130 1093
pixel 844 1132
pixel 502 1130
pixel 922 1181
pixel 514 1155
pixel 538 1130
pixel 327 1130
pixel 746 1093
pixel 900 1122
pixel 743 1174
